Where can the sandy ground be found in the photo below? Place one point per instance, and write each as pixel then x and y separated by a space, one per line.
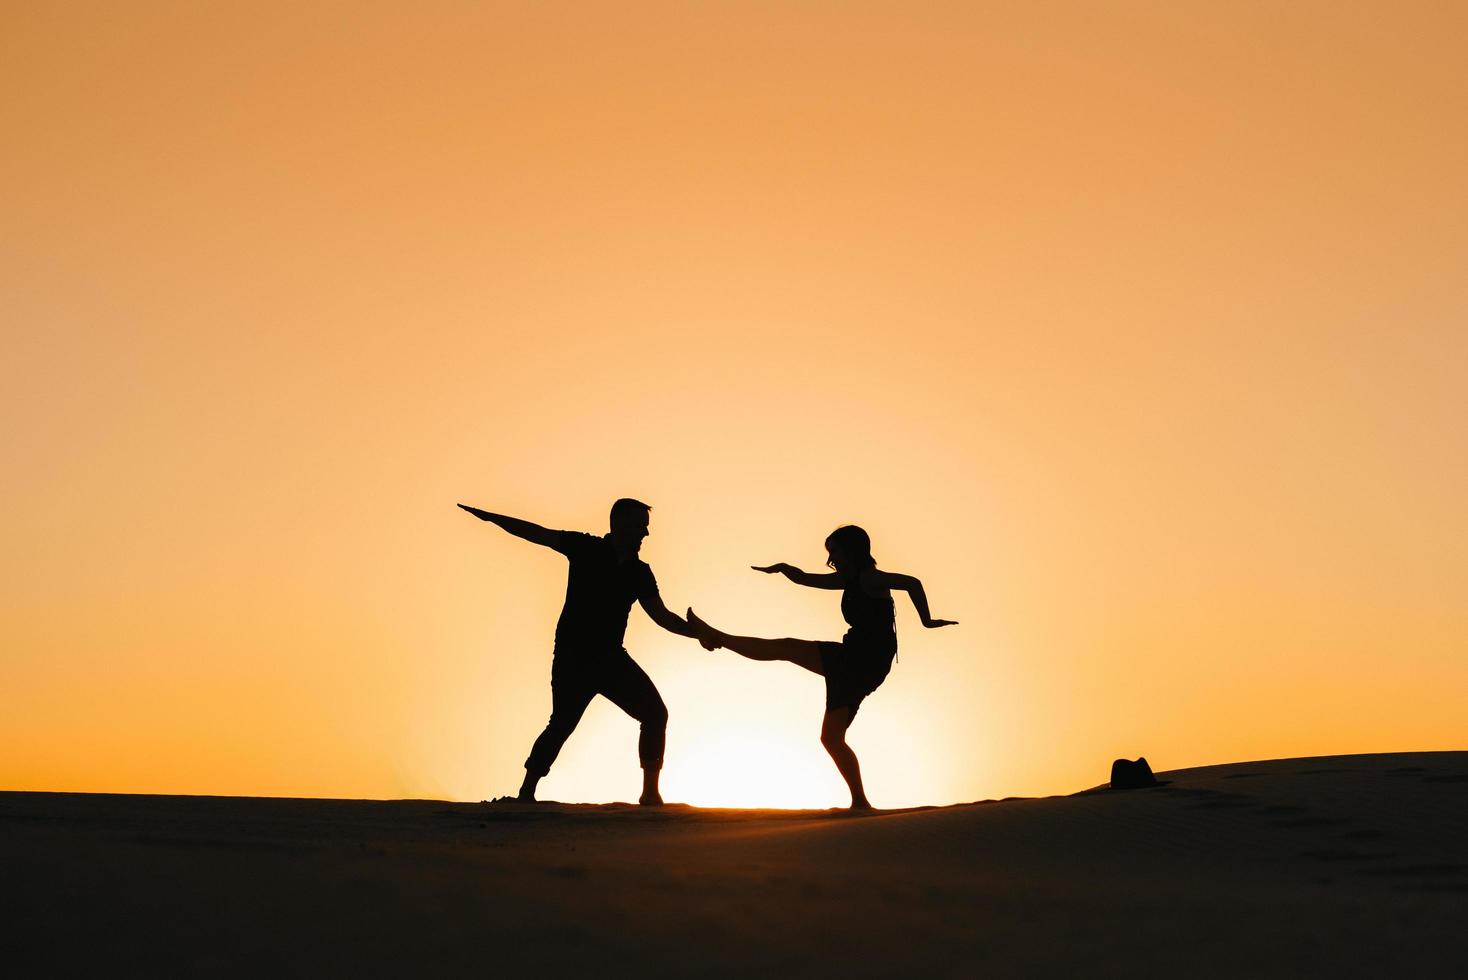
pixel 1333 866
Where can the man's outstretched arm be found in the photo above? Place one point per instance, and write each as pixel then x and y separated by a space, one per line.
pixel 533 533
pixel 652 604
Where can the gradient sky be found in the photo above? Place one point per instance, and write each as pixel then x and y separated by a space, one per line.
pixel 1135 330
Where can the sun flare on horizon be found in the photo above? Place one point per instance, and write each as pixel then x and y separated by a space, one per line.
pixel 744 771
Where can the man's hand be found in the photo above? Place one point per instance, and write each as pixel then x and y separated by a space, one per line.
pixel 933 624
pixel 779 568
pixel 483 515
pixel 706 635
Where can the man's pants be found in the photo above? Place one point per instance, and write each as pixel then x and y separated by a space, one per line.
pixel 578 677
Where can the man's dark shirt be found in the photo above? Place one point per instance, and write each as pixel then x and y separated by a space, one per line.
pixel 599 594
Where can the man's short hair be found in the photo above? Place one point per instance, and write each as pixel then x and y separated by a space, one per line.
pixel 627 507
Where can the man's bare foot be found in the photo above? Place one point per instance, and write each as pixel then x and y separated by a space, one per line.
pixel 653 799
pixel 706 634
pixel 860 805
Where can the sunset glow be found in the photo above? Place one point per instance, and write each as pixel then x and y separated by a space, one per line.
pixel 1138 335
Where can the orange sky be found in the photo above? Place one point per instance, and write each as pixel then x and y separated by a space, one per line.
pixel 1137 334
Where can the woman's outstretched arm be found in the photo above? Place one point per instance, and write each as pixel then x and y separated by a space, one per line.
pixel 914 589
pixel 830 580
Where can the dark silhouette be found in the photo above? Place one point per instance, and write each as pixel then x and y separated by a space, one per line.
pixel 857 665
pixel 605 578
pixel 1126 774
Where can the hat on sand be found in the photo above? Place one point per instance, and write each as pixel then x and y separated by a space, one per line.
pixel 1126 774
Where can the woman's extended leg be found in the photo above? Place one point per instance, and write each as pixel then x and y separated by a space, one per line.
pixel 805 653
pixel 833 737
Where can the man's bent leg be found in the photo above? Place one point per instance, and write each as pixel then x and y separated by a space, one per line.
pixel 570 694
pixel 628 687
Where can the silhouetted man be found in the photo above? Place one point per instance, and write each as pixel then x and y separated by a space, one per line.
pixel 606 577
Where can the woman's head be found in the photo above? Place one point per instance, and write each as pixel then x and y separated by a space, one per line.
pixel 849 549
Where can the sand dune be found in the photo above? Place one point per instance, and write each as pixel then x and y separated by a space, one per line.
pixel 1334 866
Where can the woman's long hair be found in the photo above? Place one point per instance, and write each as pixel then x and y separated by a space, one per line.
pixel 855 543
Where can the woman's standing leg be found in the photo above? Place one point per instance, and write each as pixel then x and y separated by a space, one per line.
pixel 833 737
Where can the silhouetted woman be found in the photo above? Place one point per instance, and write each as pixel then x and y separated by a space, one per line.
pixel 857 665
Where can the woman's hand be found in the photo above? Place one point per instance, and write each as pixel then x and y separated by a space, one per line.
pixel 933 624
pixel 780 568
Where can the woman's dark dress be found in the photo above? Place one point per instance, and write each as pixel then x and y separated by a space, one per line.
pixel 857 665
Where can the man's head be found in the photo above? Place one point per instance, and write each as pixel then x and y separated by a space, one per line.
pixel 629 522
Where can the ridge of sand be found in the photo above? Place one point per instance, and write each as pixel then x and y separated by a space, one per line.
pixel 1338 865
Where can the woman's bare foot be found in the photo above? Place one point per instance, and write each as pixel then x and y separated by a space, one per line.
pixel 650 795
pixel 711 638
